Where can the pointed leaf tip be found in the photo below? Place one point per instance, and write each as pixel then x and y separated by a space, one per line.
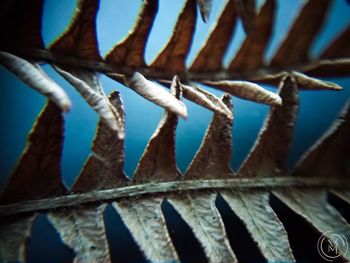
pixel 296 45
pixel 247 90
pixel 213 50
pixel 156 94
pixel 173 55
pixel 269 154
pixel 213 156
pixel 130 51
pixel 205 8
pixel 308 83
pixel 104 167
pixel 251 54
pixel 246 10
pixel 330 155
pixel 80 38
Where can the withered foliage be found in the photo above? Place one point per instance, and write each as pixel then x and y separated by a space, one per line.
pixel 77 214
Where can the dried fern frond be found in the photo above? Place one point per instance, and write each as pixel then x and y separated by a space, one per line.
pixel 36 185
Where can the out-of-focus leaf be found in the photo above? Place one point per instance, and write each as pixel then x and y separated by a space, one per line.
pixel 172 57
pixel 130 51
pixel 270 152
pixel 104 167
pixel 35 77
pixel 295 47
pixel 14 231
pixel 145 220
pixel 313 207
pixel 329 156
pixel 158 162
pixel 205 8
pixel 246 11
pixel 330 68
pixel 246 90
pixel 156 94
pixel 343 194
pixel 83 230
pixel 199 212
pixel 20 25
pixel 340 47
pixel 308 83
pixel 38 173
pixel 79 39
pixel 253 208
pixel 210 56
pixel 251 54
pixel 213 157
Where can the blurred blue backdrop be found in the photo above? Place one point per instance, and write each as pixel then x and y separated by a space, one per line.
pixel 20 104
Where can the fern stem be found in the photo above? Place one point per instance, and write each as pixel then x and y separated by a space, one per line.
pixel 46 56
pixel 72 200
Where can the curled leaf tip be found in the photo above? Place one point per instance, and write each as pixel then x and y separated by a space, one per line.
pixel 247 90
pixel 156 94
pixel 205 9
pixel 309 83
pixel 176 88
pixel 31 74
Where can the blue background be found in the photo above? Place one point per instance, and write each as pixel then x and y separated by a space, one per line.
pixel 20 105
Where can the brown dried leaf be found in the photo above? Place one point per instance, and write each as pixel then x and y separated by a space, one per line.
pixel 302 34
pixel 35 77
pixel 213 157
pixel 172 57
pixel 262 223
pixel 203 98
pixel 313 207
pixel 246 11
pixel 130 51
pixel 206 99
pixel 88 85
pixel 156 94
pixel 83 230
pixel 308 83
pixel 145 220
pixel 246 90
pixel 79 39
pixel 199 211
pixel 251 54
pixel 330 68
pixel 14 231
pixel 38 173
pixel 104 167
pixel 158 162
pixel 270 152
pixel 20 25
pixel 330 155
pixel 210 56
pixel 340 47
pixel 205 8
